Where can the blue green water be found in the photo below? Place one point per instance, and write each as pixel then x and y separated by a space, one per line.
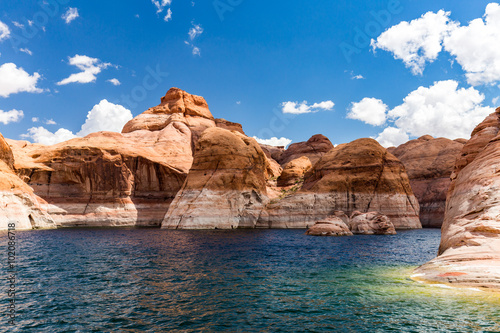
pixel 147 280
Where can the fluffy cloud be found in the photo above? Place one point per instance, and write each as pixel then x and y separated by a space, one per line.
pixel 195 31
pixel 89 67
pixel 168 16
pixel 104 116
pixel 418 41
pixel 473 46
pixel 441 110
pixel 12 116
pixel 114 82
pixel 369 110
pixel 70 15
pixel 4 31
pixel 392 136
pixel 161 4
pixel 274 141
pixel 14 80
pixel 301 108
pixel 44 136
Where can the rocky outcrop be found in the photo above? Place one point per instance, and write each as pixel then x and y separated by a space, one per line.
pixel 226 186
pixel 223 123
pixel 273 152
pixel 294 171
pixel 371 223
pixel 429 163
pixel 469 253
pixel 314 148
pixel 176 105
pixel 109 179
pixel 19 206
pixel 332 226
pixel 360 175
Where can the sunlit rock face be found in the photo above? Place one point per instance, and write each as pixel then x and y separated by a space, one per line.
pixel 429 163
pixel 314 148
pixel 469 253
pixel 20 208
pixel 226 186
pixel 358 176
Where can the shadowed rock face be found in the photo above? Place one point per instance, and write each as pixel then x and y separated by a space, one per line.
pixel 429 163
pixel 469 253
pixel 314 148
pixel 109 179
pixel 360 175
pixel 18 203
pixel 226 186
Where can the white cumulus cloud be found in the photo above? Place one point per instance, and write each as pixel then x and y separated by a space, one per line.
pixel 14 80
pixel 161 4
pixel 4 31
pixel 301 108
pixel 392 136
pixel 369 110
pixel 89 67
pixel 195 31
pixel 104 116
pixel 12 116
pixel 274 141
pixel 115 82
pixel 168 16
pixel 70 15
pixel 418 41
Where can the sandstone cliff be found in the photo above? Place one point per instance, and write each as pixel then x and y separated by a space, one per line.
pixel 469 253
pixel 360 175
pixel 226 186
pixel 314 148
pixel 429 163
pixel 18 203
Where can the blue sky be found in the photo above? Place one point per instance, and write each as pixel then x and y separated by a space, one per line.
pixel 252 60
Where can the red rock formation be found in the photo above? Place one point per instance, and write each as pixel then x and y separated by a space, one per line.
pixel 429 163
pixel 273 152
pixel 371 223
pixel 226 186
pixel 109 179
pixel 18 204
pixel 469 253
pixel 360 175
pixel 314 148
pixel 294 171
pixel 223 123
pixel 332 226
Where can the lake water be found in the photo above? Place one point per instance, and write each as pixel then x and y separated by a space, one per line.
pixel 148 280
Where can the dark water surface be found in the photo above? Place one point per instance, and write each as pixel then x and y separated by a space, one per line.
pixel 147 280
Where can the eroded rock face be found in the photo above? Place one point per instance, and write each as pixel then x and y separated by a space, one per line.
pixel 332 226
pixel 273 152
pixel 294 171
pixel 429 163
pixel 314 148
pixel 226 186
pixel 360 175
pixel 18 204
pixel 176 105
pixel 109 179
pixel 223 123
pixel 371 223
pixel 469 253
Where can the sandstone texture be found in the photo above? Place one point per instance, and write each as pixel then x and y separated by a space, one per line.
pixel 223 123
pixel 332 226
pixel 371 223
pixel 273 152
pixel 469 253
pixel 314 148
pixel 226 186
pixel 19 206
pixel 294 171
pixel 429 163
pixel 358 176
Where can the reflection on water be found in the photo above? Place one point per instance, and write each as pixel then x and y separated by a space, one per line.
pixel 81 280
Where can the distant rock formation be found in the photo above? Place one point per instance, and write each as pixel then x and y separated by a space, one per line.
pixel 226 186
pixel 469 253
pixel 223 123
pixel 314 148
pixel 360 175
pixel 429 163
pixel 273 152
pixel 331 226
pixel 19 206
pixel 294 171
pixel 371 223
